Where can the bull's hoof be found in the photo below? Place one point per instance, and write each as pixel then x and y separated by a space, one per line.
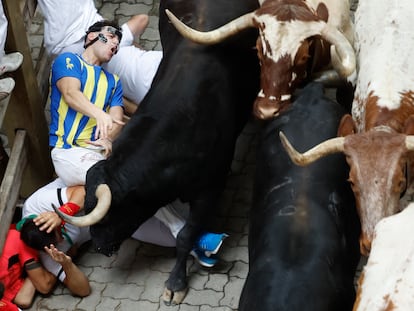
pixel 173 298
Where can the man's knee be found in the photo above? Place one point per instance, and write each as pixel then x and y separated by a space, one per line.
pixel 23 302
pixel 24 298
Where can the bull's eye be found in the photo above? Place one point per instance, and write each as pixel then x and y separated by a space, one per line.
pixel 302 60
pixel 302 55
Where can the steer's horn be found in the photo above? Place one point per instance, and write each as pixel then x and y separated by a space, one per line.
pixel 346 63
pixel 213 36
pixel 329 78
pixel 409 142
pixel 333 145
pixel 103 193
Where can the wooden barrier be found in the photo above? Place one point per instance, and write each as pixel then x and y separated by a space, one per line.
pixel 10 186
pixel 42 66
pixel 23 121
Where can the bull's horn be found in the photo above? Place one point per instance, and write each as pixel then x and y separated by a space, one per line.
pixel 333 145
pixel 343 58
pixel 213 36
pixel 329 78
pixel 409 142
pixel 103 193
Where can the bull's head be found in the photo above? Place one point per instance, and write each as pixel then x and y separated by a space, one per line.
pixel 287 32
pixel 378 161
pixel 106 235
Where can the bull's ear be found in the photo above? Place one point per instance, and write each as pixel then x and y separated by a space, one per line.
pixel 322 12
pixel 346 126
pixel 409 125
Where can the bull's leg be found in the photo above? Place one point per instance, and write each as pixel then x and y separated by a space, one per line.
pixel 176 285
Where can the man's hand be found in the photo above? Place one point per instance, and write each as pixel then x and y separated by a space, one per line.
pixel 47 221
pixel 104 123
pixel 105 143
pixel 57 255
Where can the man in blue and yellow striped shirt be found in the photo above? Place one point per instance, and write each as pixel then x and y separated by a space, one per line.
pixel 86 104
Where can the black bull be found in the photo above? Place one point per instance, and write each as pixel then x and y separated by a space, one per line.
pixel 303 236
pixel 180 142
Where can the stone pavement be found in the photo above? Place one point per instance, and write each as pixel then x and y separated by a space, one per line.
pixel 134 278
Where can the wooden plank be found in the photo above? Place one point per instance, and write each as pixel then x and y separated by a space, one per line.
pixel 25 109
pixel 44 61
pixel 28 9
pixel 10 186
pixel 42 71
pixel 3 108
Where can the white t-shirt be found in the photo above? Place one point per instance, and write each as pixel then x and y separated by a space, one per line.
pixel 41 201
pixel 66 22
pixel 136 68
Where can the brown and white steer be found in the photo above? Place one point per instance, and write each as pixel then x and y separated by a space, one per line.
pixel 292 45
pixel 377 141
pixel 387 280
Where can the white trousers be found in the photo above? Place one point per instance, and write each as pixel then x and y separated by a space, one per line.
pixel 3 30
pixel 72 164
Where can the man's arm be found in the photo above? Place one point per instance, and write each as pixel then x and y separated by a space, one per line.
pixel 106 143
pixel 75 280
pixel 117 113
pixel 50 220
pixel 130 106
pixel 43 280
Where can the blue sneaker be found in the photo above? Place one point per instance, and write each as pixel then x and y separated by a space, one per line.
pixel 203 259
pixel 210 243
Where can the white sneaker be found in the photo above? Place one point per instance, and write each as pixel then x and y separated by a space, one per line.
pixel 10 62
pixel 6 86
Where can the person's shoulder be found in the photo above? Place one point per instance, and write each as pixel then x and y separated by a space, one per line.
pixel 66 63
pixel 40 201
pixel 67 58
pixel 65 55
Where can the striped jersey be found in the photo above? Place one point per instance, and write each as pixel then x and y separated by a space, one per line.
pixel 67 126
